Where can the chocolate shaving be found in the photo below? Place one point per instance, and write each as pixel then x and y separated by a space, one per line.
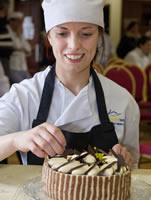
pixel 120 160
pixel 107 167
pixel 76 158
pixel 91 150
pixel 96 163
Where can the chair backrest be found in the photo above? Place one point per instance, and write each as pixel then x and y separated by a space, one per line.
pixel 121 76
pixel 148 75
pixel 141 82
pixel 115 60
pixel 98 67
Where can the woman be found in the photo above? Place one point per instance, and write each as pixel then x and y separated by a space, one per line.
pixel 73 102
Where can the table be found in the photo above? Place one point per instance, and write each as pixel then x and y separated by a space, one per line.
pixel 13 178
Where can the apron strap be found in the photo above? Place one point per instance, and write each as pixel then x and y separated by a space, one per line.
pixel 103 115
pixel 46 98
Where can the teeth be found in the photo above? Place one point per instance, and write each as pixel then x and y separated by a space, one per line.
pixel 73 57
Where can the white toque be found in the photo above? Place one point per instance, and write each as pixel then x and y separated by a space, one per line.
pixel 62 11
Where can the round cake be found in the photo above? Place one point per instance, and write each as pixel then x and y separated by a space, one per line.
pixel 88 175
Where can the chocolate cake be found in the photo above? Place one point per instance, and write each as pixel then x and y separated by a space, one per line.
pixel 88 175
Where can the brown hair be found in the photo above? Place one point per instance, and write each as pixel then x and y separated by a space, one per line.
pixel 101 32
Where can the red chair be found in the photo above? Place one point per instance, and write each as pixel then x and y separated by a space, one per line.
pixel 145 152
pixel 121 76
pixel 140 79
pixel 148 75
pixel 141 98
pixel 141 86
pixel 116 61
pixel 145 149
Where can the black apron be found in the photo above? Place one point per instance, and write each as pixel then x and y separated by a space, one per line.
pixel 102 136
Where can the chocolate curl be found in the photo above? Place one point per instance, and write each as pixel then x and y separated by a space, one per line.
pixel 91 150
pixel 120 160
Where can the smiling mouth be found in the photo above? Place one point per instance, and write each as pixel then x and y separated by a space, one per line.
pixel 74 57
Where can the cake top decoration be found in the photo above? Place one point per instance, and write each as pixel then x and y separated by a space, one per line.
pixel 93 162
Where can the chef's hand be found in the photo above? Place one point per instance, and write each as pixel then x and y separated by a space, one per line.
pixel 42 140
pixel 119 149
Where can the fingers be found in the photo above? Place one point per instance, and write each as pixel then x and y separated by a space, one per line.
pixel 49 143
pixel 56 132
pixel 47 140
pixel 37 151
pixel 124 152
pixel 42 145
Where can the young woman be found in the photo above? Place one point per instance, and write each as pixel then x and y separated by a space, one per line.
pixel 76 106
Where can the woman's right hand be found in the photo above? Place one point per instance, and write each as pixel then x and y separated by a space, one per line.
pixel 42 140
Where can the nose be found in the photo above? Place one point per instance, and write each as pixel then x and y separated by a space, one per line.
pixel 74 42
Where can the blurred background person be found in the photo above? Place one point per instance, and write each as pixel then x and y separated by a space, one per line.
pixel 103 55
pixel 129 39
pixel 18 61
pixel 140 55
pixel 6 44
pixel 4 82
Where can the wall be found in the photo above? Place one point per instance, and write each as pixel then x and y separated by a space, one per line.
pixel 139 10
pixel 115 19
pixel 11 6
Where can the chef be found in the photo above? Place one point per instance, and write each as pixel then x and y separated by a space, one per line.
pixel 69 105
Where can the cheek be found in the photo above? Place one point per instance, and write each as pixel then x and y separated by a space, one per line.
pixel 58 48
pixel 92 47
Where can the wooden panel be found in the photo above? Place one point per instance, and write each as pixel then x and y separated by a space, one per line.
pixel 139 10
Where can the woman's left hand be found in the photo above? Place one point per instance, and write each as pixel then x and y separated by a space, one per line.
pixel 119 149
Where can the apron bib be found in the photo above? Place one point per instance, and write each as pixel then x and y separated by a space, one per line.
pixel 102 136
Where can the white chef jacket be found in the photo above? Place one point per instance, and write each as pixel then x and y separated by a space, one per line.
pixel 136 56
pixel 19 108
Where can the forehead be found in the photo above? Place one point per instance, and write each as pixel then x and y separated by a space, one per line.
pixel 76 25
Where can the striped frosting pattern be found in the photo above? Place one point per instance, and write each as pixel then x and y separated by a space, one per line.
pixel 60 186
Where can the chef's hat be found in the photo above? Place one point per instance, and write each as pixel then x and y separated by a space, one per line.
pixel 62 11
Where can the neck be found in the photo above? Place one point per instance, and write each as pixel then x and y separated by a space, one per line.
pixel 74 81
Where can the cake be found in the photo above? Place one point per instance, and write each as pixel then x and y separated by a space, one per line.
pixel 87 175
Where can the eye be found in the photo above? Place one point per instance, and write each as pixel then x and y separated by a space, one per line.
pixel 86 34
pixel 62 34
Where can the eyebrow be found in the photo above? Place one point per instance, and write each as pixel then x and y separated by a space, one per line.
pixel 83 28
